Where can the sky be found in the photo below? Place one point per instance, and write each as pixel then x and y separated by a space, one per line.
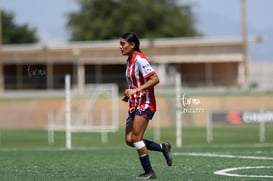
pixel 215 18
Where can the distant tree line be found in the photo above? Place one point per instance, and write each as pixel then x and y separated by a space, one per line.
pixel 108 19
pixel 13 33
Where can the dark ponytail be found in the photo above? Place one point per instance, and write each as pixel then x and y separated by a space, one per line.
pixel 131 37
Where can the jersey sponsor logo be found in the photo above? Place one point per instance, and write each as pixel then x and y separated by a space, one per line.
pixel 147 68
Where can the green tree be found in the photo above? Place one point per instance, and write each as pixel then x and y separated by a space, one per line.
pixel 16 34
pixel 107 19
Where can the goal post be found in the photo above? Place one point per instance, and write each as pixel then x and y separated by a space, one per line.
pixel 178 110
pixel 68 111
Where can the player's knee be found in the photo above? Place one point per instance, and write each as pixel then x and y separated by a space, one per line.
pixel 136 138
pixel 129 141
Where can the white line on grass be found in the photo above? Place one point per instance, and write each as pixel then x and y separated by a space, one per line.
pixel 62 149
pixel 232 146
pixel 224 172
pixel 223 156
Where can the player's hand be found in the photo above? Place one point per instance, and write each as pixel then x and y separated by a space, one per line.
pixel 129 92
pixel 125 98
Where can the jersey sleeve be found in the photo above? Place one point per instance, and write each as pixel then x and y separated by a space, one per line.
pixel 145 68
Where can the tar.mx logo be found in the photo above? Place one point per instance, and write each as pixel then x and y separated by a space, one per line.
pixel 191 104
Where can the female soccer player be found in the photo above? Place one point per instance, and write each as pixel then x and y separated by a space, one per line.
pixel 141 79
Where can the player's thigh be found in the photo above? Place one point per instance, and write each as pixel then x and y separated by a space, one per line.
pixel 139 126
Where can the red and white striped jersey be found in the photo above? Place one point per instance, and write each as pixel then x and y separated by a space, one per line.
pixel 138 69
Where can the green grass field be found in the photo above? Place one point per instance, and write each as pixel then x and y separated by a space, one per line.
pixel 26 155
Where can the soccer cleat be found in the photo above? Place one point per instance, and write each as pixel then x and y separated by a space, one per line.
pixel 166 150
pixel 146 176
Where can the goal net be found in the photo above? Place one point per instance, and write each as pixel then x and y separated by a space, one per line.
pixel 94 109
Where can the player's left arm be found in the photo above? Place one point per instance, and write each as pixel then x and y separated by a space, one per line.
pixel 152 80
